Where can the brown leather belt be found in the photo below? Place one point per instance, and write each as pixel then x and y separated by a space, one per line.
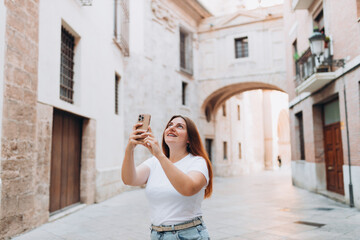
pixel 176 227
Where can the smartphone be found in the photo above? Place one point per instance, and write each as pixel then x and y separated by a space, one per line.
pixel 145 120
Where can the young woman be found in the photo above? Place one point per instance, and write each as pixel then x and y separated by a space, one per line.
pixel 177 178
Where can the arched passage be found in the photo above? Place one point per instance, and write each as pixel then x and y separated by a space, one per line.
pixel 245 138
pixel 214 100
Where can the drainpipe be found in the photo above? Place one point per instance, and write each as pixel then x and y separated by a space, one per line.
pixel 351 195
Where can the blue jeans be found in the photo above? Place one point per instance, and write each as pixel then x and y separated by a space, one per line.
pixel 198 232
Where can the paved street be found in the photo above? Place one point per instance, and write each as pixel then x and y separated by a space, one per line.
pixel 259 206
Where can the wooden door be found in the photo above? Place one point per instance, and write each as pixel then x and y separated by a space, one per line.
pixel 334 158
pixel 65 160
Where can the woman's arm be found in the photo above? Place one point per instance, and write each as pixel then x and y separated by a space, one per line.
pixel 186 184
pixel 129 174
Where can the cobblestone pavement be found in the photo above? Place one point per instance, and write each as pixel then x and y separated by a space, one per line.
pixel 258 206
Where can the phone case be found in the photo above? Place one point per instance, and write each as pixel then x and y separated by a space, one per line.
pixel 145 119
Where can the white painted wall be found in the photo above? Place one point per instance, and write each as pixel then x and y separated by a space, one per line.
pixel 2 66
pixel 96 61
pixel 153 80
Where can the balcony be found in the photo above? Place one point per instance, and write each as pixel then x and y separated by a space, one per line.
pixel 301 4
pixel 311 76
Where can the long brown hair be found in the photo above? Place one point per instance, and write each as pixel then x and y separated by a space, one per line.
pixel 195 147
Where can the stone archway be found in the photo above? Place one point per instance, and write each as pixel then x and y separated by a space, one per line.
pixel 265 132
pixel 212 99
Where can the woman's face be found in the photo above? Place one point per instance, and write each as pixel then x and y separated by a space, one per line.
pixel 176 132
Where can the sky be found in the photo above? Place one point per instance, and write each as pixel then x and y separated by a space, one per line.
pixel 218 7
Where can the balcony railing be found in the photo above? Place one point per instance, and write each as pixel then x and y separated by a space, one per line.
pixel 310 75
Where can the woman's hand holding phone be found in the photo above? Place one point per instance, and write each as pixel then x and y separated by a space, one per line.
pixel 137 136
pixel 152 144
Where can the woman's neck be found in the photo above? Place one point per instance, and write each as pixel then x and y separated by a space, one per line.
pixel 177 154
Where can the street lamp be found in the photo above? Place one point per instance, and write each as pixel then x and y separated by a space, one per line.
pixel 317 43
pixel 317 46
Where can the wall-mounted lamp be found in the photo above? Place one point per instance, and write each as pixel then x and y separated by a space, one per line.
pixel 317 46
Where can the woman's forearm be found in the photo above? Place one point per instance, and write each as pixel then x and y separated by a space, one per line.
pixel 183 183
pixel 128 171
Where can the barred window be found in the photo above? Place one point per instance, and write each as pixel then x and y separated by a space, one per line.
pixel 241 47
pixel 67 66
pixel 186 61
pixel 121 25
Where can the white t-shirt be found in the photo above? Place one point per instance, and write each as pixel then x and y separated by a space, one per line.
pixel 168 206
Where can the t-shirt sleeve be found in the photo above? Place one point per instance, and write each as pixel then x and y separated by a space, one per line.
pixel 199 165
pixel 149 162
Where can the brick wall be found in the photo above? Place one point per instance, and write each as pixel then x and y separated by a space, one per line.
pixel 18 154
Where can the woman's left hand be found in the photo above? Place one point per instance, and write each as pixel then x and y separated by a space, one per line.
pixel 152 144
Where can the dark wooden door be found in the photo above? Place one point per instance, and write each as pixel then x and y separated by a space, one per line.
pixel 334 158
pixel 65 160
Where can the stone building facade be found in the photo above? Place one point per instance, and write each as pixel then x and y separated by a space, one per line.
pixel 223 75
pixel 74 78
pixel 324 98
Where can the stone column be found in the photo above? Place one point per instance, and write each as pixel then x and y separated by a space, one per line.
pixel 18 138
pixel 88 169
pixel 268 129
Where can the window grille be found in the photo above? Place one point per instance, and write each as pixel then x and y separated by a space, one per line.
pixel 117 82
pixel 67 66
pixel 186 60
pixel 241 47
pixel 121 25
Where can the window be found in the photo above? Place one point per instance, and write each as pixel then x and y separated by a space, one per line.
pixel 239 150
pixel 238 112
pixel 186 52
pixel 225 150
pixel 241 47
pixel 224 110
pixel 184 86
pixel 117 82
pixel 67 66
pixel 208 146
pixel 300 134
pixel 121 25
pixel 319 22
pixel 296 57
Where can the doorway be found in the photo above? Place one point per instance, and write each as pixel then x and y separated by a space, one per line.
pixel 333 147
pixel 65 160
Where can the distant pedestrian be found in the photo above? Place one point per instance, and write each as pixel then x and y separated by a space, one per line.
pixel 279 160
pixel 177 178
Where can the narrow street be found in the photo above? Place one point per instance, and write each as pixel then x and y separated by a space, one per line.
pixel 258 206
